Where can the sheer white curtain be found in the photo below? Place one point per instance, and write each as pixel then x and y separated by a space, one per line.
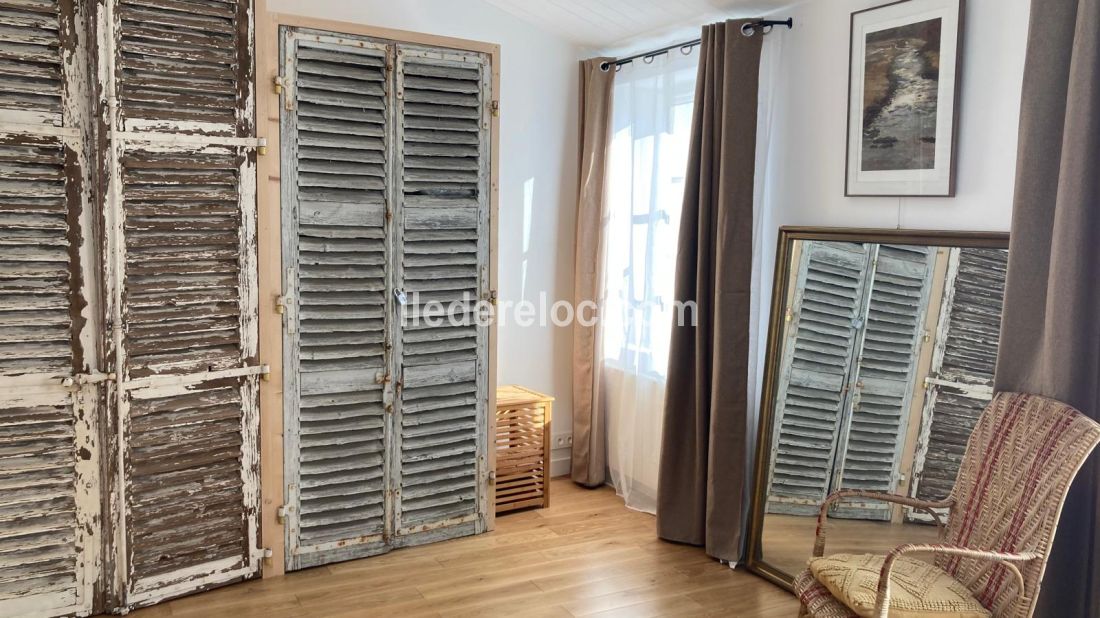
pixel 651 126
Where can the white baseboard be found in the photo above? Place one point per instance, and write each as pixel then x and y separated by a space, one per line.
pixel 560 462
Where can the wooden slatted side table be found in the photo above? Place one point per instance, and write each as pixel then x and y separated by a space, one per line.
pixel 523 449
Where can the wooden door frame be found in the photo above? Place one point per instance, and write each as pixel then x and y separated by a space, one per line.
pixel 269 237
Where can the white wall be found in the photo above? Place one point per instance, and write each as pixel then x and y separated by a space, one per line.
pixel 808 146
pixel 538 169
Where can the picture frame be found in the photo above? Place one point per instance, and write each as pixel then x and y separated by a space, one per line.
pixel 904 86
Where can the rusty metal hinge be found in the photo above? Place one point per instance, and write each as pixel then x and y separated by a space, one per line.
pixel 383 378
pixel 494 107
pixel 281 513
pixel 492 297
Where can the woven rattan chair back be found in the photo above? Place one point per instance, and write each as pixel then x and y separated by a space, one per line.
pixel 1013 479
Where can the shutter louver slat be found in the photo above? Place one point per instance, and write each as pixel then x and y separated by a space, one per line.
pixel 182 61
pixel 38 553
pixel 175 458
pixel 819 352
pixel 339 128
pixel 35 268
pixel 443 162
pixel 182 230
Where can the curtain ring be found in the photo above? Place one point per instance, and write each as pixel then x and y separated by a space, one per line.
pixel 648 59
pixel 686 49
pixel 747 29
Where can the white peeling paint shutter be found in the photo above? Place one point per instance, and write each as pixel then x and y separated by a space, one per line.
pixel 441 254
pixel 180 218
pixel 882 383
pixel 825 320
pixel 49 388
pixel 336 139
pixel 963 362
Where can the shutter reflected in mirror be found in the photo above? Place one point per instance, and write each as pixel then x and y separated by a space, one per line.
pixel 817 357
pixel 50 380
pixel 883 377
pixel 963 361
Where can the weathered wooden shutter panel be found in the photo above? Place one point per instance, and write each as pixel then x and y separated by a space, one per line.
pixel 49 394
pixel 817 357
pixel 882 383
pixel 963 363
pixel 180 221
pixel 336 180
pixel 441 254
pixel 184 65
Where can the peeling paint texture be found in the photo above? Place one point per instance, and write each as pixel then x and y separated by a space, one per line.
pixel 128 420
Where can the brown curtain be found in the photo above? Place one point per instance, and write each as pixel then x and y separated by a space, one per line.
pixel 1050 333
pixel 704 447
pixel 589 427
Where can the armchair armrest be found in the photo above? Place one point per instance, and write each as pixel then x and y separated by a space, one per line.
pixel 923 505
pixel 882 603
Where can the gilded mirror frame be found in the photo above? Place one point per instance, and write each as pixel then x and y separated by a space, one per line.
pixel 781 281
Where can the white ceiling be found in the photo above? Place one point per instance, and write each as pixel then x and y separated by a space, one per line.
pixel 616 26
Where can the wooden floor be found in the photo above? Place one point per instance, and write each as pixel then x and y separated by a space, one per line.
pixel 788 541
pixel 587 555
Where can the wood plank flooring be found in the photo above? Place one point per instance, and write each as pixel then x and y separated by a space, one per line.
pixel 789 540
pixel 586 555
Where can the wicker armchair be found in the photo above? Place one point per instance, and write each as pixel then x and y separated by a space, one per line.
pixel 1002 513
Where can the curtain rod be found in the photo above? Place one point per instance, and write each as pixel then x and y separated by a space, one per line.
pixel 748 29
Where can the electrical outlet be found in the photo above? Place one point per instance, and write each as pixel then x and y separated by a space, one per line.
pixel 564 440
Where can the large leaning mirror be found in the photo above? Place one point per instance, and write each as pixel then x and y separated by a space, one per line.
pixel 881 351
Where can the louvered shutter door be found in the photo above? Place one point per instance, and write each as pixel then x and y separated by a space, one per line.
pixel 180 211
pixel 49 385
pixel 816 360
pixel 962 366
pixel 441 254
pixel 335 247
pixel 889 346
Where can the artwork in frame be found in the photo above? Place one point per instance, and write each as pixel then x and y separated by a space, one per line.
pixel 903 99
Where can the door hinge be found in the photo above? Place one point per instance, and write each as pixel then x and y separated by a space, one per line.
pixel 277 84
pixel 494 107
pixel 382 378
pixel 492 298
pixel 280 304
pixel 281 513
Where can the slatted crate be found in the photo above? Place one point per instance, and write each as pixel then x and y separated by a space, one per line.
pixel 523 449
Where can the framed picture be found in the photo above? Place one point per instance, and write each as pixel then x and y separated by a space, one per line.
pixel 903 99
